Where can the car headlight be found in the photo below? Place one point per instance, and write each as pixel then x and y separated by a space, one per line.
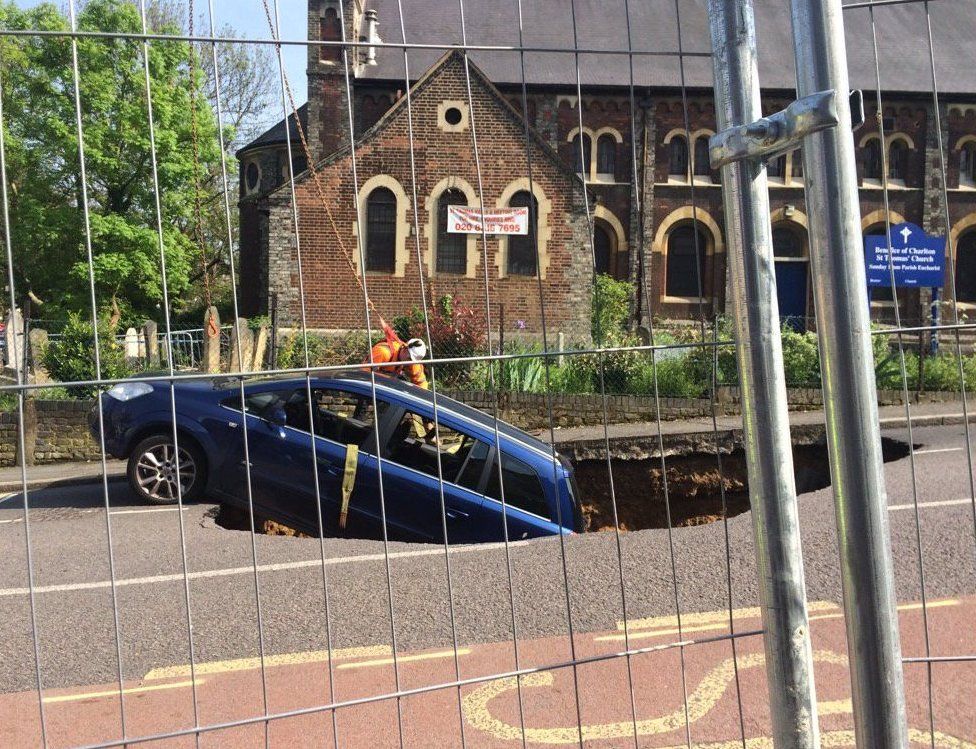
pixel 126 391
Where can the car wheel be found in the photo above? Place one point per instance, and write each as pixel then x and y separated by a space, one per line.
pixel 152 470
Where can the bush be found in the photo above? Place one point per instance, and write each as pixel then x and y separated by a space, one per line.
pixel 611 309
pixel 70 358
pixel 676 378
pixel 340 350
pixel 801 358
pixel 456 330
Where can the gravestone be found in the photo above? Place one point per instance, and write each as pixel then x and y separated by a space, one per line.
pixel 131 345
pixel 38 343
pixel 242 340
pixel 151 336
pixel 15 339
pixel 211 342
pixel 260 348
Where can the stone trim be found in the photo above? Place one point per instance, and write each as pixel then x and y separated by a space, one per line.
pixel 446 126
pixel 878 217
pixel 431 204
pixel 603 213
pixel 401 256
pixel 543 233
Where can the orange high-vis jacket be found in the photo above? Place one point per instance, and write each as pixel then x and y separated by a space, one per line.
pixel 390 350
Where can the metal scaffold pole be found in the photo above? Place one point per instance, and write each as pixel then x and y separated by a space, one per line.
pixel 769 456
pixel 850 397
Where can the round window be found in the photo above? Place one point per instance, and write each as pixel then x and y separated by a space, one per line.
pixel 452 116
pixel 253 175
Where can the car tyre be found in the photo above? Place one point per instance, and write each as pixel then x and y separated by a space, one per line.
pixel 152 470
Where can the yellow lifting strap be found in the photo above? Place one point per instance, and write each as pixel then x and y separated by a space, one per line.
pixel 348 482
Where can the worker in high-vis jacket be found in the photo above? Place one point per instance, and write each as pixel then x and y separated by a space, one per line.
pixel 404 358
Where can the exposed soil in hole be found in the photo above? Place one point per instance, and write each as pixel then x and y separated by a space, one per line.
pixel 236 519
pixel 694 485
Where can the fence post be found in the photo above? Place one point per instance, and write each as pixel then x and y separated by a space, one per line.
pixel 850 395
pixel 765 414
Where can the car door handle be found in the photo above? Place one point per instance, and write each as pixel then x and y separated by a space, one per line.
pixel 453 514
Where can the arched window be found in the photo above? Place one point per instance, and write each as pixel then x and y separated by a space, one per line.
pixel 787 243
pixel 522 247
pixel 452 249
pixel 796 165
pixel 897 160
pixel 678 157
pixel 776 168
pixel 879 293
pixel 606 156
pixel 581 157
pixel 967 164
pixel 381 218
pixel 603 249
pixel 330 31
pixel 872 159
pixel 966 268
pixel 685 265
pixel 702 167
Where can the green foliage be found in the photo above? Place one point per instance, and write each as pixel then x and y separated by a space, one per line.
pixel 452 330
pixel 341 350
pixel 611 309
pixel 42 150
pixel 71 357
pixel 801 358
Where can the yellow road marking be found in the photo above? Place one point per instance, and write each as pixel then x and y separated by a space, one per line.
pixel 281 659
pixel 115 692
pixel 405 659
pixel 701 701
pixel 709 617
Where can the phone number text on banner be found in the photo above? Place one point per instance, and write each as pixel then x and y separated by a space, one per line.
pixel 464 220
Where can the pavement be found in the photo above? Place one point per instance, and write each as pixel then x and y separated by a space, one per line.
pixel 890 417
pixel 182 613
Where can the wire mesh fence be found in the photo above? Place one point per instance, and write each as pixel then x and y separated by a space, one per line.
pixel 548 534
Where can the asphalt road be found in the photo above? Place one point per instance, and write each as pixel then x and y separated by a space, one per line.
pixel 75 603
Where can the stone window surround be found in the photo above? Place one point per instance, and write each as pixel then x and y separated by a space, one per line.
pixel 543 230
pixel 257 185
pixel 431 204
pixel 675 179
pixel 592 174
pixel 960 144
pixel 959 228
pixel 401 255
pixel 602 213
pixel 889 139
pixel 446 126
pixel 713 244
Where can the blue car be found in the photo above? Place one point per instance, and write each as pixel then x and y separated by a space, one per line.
pixel 359 438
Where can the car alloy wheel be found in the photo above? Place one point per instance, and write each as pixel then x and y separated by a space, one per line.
pixel 156 473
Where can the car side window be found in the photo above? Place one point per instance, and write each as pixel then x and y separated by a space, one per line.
pixel 415 444
pixel 474 467
pixel 343 417
pixel 255 404
pixel 522 486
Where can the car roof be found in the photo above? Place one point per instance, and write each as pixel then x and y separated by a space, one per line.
pixel 362 377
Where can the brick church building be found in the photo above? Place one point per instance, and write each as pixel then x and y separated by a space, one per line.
pixel 630 193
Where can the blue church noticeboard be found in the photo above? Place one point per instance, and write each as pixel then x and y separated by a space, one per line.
pixel 917 259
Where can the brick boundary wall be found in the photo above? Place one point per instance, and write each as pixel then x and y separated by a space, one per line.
pixel 62 426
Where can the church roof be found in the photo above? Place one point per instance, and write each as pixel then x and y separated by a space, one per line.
pixel 601 27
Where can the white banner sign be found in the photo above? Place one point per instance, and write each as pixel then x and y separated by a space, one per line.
pixel 464 220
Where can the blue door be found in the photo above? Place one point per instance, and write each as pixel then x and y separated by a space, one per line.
pixel 791 292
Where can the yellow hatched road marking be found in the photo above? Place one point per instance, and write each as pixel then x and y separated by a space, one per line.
pixel 719 617
pixel 281 659
pixel 701 701
pixel 115 692
pixel 406 659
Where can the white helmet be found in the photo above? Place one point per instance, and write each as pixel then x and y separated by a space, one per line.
pixel 417 349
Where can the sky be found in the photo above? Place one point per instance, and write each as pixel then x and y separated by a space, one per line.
pixel 248 18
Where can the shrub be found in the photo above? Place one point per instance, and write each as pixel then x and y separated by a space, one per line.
pixel 340 350
pixel 71 357
pixel 677 377
pixel 456 330
pixel 801 358
pixel 611 308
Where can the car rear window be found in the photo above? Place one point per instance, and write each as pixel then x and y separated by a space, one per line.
pixel 522 486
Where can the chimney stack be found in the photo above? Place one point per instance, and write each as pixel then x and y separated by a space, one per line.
pixel 371 36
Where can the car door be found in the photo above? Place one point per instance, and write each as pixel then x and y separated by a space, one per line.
pixel 528 500
pixel 415 457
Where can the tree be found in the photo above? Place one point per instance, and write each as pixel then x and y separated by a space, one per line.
pixel 42 150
